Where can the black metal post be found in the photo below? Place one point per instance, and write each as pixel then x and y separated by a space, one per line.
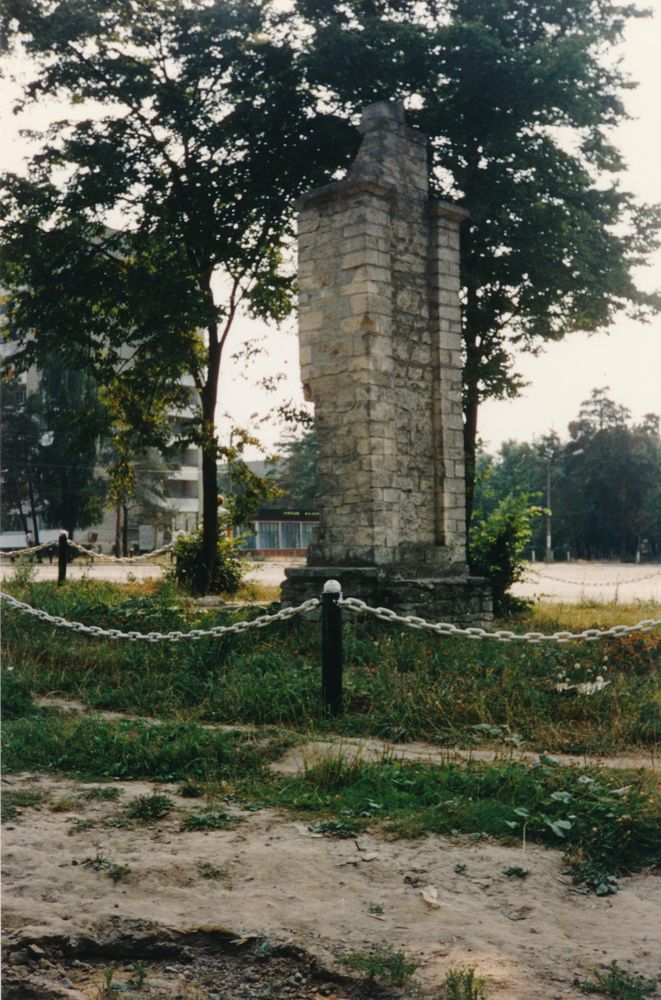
pixel 331 648
pixel 62 556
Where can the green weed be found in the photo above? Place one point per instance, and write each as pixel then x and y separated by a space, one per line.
pixel 391 967
pixel 149 808
pixel 104 793
pixel 620 985
pixel 344 827
pixel 463 984
pixel 605 827
pixel 516 871
pixel 100 863
pixel 16 696
pixel 209 871
pixel 14 801
pixel 210 821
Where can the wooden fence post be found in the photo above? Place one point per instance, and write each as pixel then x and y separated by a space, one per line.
pixel 62 556
pixel 331 647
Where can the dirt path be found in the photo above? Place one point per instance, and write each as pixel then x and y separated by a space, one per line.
pixel 273 881
pixel 271 878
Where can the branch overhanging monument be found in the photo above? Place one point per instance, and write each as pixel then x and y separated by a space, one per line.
pixel 380 354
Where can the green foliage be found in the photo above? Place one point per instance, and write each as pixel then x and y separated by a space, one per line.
pixel 226 572
pixel 211 820
pixel 297 473
pixel 99 863
pixel 516 871
pixel 105 793
pixel 496 545
pixel 392 967
pixel 16 696
pixel 604 481
pixel 93 748
pixel 590 815
pixel 617 984
pixel 148 808
pixel 14 800
pixel 463 984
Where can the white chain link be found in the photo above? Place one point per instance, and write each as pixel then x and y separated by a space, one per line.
pixel 473 632
pixel 120 559
pixel 351 604
pixel 197 633
pixel 20 553
pixel 592 583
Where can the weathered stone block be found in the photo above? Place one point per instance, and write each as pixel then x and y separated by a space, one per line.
pixel 381 359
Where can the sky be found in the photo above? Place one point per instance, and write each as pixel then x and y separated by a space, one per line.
pixel 626 358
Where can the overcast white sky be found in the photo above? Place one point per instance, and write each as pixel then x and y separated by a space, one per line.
pixel 627 358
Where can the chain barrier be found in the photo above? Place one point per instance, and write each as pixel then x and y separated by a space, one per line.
pixel 592 583
pixel 502 635
pixel 351 604
pixel 21 553
pixel 145 557
pixel 197 633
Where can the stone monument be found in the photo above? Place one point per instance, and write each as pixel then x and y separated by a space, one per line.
pixel 380 354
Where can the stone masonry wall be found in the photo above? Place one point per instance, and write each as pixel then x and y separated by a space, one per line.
pixel 380 350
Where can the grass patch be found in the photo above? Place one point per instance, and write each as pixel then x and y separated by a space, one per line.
pixel 149 808
pixel 213 820
pixel 15 800
pixel 399 685
pixel 463 984
pixel 391 967
pixel 93 748
pixel 103 793
pixel 606 822
pixel 620 985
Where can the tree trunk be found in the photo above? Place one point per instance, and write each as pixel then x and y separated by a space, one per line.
pixel 470 452
pixel 33 512
pixel 125 531
pixel 118 529
pixel 209 394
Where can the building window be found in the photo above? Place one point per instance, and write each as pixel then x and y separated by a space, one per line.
pixel 290 535
pixel 268 535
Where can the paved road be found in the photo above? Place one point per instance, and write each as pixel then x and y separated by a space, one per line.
pixel 566 582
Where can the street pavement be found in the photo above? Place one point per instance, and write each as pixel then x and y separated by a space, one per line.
pixel 566 582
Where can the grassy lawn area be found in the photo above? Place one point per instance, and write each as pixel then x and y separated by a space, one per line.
pixel 399 685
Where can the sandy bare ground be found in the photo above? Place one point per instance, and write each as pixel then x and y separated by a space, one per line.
pixel 275 881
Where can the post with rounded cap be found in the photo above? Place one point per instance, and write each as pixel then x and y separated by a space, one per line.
pixel 331 647
pixel 62 556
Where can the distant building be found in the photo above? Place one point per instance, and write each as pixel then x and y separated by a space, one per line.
pixel 183 490
pixel 280 532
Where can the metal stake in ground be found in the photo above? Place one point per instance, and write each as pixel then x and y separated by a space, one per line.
pixel 331 647
pixel 62 556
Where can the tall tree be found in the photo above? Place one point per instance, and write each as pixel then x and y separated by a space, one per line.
pixel 605 479
pixel 206 136
pixel 519 98
pixel 213 124
pixel 72 416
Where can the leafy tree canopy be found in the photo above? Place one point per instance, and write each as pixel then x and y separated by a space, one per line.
pixel 209 118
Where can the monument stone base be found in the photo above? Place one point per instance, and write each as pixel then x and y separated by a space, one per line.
pixel 462 600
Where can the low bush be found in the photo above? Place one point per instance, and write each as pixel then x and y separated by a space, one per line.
pixel 228 569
